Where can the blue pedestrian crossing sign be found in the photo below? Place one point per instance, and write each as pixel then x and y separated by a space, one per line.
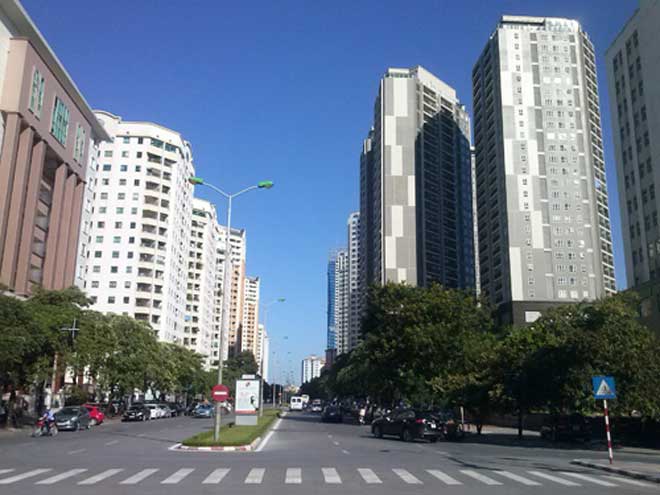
pixel 604 387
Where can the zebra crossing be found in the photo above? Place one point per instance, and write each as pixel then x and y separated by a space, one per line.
pixel 325 475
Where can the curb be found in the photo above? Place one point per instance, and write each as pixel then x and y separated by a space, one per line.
pixel 238 448
pixel 625 472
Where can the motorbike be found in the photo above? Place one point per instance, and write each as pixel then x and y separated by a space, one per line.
pixel 362 415
pixel 41 429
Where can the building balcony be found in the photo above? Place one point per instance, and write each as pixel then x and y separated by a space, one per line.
pixel 142 303
pixel 42 222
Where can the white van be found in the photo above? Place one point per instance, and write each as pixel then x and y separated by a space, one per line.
pixel 296 403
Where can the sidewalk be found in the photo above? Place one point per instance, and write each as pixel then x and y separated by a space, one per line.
pixel 648 471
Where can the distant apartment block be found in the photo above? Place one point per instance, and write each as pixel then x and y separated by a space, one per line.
pixel 311 368
pixel 338 301
pixel 415 188
pixel 250 339
pixel 543 217
pixel 354 288
pixel 48 135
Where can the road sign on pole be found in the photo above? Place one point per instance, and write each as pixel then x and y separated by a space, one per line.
pixel 220 393
pixel 605 388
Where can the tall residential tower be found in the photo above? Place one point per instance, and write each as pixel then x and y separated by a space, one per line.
pixel 415 188
pixel 544 227
pixel 633 72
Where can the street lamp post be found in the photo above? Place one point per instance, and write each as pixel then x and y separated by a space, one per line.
pixel 198 181
pixel 261 365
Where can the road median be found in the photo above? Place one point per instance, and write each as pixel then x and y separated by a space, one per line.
pixel 232 437
pixel 638 470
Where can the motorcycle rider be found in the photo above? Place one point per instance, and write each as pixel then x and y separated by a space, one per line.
pixel 48 418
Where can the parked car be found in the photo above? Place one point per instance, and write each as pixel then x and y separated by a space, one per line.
pixel 155 412
pixel 409 425
pixel 332 414
pixel 137 412
pixel 204 411
pixel 72 418
pixel 95 413
pixel 166 411
pixel 176 408
pixel 567 428
pixel 317 406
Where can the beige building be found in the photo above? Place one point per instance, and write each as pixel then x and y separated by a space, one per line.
pixel 249 334
pixel 47 130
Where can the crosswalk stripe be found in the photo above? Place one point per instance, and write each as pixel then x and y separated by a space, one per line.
pixel 137 477
pixel 216 476
pixel 19 477
pixel 480 477
pixel 369 476
pixel 556 479
pixel 177 476
pixel 331 475
pixel 60 477
pixel 519 479
pixel 293 476
pixel 407 477
pixel 588 478
pixel 100 477
pixel 629 481
pixel 255 476
pixel 443 477
pixel 5 471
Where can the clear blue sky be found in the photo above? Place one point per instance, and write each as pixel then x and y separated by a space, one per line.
pixel 285 91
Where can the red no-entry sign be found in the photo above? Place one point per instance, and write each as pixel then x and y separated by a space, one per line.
pixel 220 393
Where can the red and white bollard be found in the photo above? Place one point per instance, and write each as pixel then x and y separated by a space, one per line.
pixel 607 431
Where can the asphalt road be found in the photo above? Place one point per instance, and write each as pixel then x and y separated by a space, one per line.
pixel 302 455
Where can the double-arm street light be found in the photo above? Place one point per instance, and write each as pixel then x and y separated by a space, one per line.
pixel 261 365
pixel 198 181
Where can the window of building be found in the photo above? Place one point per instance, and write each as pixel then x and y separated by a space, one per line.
pixel 119 210
pixel 59 126
pixel 111 299
pixel 124 154
pixel 114 269
pixel 107 167
pixel 121 195
pixel 123 168
pixel 116 239
pixel 37 93
pixel 112 284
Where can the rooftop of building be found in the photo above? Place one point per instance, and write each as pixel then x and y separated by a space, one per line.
pixel 425 76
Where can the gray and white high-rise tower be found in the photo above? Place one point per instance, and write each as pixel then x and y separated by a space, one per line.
pixel 415 188
pixel 354 299
pixel 544 227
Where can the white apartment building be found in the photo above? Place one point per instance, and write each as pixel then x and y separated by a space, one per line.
pixel 202 273
pixel 85 237
pixel 249 335
pixel 140 225
pixel 311 368
pixel 354 288
pixel 544 227
pixel 341 303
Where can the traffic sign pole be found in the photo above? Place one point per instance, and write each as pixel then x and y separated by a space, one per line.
pixel 607 430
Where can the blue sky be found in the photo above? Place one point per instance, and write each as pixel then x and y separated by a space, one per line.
pixel 285 91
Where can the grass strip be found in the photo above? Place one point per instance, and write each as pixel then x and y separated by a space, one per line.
pixel 232 435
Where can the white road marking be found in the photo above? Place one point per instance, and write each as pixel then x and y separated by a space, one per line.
pixel 293 476
pixel 142 435
pixel 628 480
pixel 369 476
pixel 100 477
pixel 407 477
pixel 4 471
pixel 216 476
pixel 112 442
pixel 335 442
pixel 556 479
pixel 19 477
pixel 588 478
pixel 519 479
pixel 480 477
pixel 344 451
pixel 60 477
pixel 331 476
pixel 270 434
pixel 78 451
pixel 136 478
pixel 255 476
pixel 176 477
pixel 443 477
